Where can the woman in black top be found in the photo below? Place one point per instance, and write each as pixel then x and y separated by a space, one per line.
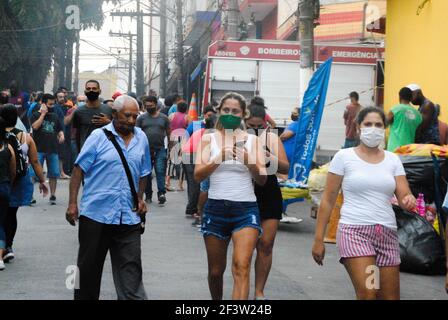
pixel 269 196
pixel 7 176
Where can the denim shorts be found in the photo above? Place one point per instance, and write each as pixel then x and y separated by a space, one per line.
pixel 52 164
pixel 205 185
pixel 222 218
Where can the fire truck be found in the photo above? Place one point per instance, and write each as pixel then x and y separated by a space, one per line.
pixel 271 69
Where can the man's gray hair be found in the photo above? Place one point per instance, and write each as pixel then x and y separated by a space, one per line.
pixel 122 100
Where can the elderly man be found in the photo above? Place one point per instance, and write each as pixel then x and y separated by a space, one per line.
pixel 107 221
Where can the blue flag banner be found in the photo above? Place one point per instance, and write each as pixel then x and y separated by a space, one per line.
pixel 309 124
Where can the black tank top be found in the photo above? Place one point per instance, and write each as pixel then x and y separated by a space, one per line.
pixel 5 157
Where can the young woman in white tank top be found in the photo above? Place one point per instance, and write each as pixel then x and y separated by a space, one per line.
pixel 232 159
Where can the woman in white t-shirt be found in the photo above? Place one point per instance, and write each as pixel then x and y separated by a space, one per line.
pixel 367 237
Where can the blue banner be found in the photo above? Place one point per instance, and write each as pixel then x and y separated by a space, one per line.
pixel 309 123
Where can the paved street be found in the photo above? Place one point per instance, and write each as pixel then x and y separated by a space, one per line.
pixel 174 259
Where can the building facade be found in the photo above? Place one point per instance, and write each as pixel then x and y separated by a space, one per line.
pixel 415 33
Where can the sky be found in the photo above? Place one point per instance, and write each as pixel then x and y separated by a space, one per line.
pixel 93 59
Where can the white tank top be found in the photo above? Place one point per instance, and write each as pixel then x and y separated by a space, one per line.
pixel 232 180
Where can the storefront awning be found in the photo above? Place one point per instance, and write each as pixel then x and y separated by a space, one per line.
pixel 198 70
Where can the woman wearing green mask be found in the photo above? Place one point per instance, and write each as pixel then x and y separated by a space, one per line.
pixel 231 158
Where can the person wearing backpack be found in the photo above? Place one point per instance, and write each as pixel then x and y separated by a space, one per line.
pixel 7 176
pixel 22 189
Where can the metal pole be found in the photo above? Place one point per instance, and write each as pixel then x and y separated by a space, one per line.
pixel 306 38
pixel 150 53
pixel 180 51
pixel 76 78
pixel 140 58
pixel 131 67
pixel 163 21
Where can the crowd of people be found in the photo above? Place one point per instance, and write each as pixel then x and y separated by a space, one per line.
pixel 231 159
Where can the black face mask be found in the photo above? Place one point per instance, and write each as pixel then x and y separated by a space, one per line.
pixel 152 110
pixel 92 95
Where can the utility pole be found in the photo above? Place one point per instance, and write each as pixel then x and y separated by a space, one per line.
pixel 163 25
pixel 308 12
pixel 233 19
pixel 76 77
pixel 140 54
pixel 180 50
pixel 150 53
pixel 130 36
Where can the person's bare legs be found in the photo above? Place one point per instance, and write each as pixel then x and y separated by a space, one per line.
pixel 263 262
pixel 389 283
pixel 358 270
pixel 53 184
pixel 217 261
pixel 244 243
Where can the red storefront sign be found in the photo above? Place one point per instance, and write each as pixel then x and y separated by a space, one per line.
pixel 291 52
pixel 343 54
pixel 255 50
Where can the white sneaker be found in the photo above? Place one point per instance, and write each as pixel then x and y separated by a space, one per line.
pixel 2 265
pixel 292 220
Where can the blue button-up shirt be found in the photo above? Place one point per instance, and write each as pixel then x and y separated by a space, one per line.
pixel 107 196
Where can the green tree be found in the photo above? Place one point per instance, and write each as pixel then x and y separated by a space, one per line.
pixel 33 37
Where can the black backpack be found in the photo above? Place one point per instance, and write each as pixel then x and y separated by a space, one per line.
pixel 21 163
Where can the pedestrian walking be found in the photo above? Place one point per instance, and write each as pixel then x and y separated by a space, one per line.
pixel 269 195
pixel 48 133
pixel 288 137
pixel 156 126
pixel 92 115
pixel 22 189
pixel 367 237
pixel 230 158
pixel 7 176
pixel 178 126
pixel 428 132
pixel 197 192
pixel 350 114
pixel 114 163
pixel 403 120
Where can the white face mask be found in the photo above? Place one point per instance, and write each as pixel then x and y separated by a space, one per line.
pixel 372 137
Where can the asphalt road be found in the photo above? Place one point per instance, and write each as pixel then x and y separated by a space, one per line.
pixel 174 259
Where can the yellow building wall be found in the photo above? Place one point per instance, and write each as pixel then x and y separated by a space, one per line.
pixel 417 50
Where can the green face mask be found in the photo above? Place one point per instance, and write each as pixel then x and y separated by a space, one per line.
pixel 230 121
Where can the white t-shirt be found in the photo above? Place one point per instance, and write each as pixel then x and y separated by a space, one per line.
pixel 368 188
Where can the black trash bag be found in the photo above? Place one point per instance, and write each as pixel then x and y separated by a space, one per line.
pixel 421 177
pixel 422 250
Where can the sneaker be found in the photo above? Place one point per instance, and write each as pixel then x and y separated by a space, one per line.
pixel 148 199
pixel 162 199
pixel 33 202
pixel 197 223
pixel 52 200
pixel 9 255
pixel 2 265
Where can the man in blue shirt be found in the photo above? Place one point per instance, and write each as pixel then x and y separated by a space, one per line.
pixel 107 222
pixel 176 98
pixel 197 125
